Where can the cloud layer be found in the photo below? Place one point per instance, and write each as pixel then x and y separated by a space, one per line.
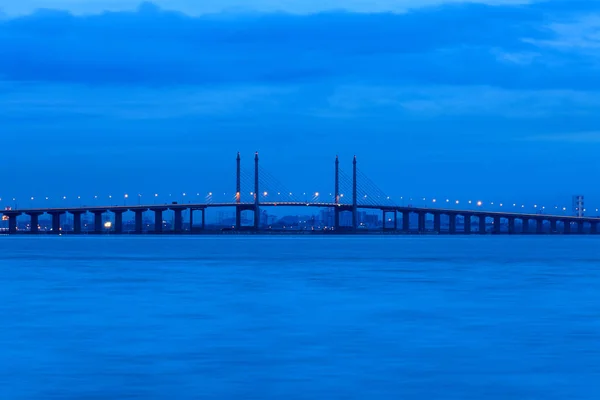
pixel 465 86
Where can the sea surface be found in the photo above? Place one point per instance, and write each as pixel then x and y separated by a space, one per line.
pixel 259 317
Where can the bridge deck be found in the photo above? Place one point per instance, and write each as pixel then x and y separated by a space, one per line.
pixel 427 210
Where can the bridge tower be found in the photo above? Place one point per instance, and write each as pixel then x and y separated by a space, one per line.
pixel 336 210
pixel 238 194
pixel 354 199
pixel 256 194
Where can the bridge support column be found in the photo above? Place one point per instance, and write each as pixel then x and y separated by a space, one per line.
pixel 421 216
pixel 539 226
pixel 118 221
pixel 158 221
pixel 98 221
pixel 525 223
pixel 437 223
pixel 567 226
pixel 203 218
pixel 482 225
pixel 511 225
pixel 192 220
pixel 12 223
pixel 593 228
pixel 395 220
pixel 178 228
pixel 77 222
pixel 257 196
pixel 139 221
pixel 238 218
pixel 467 224
pixel 35 222
pixel 553 226
pixel 56 222
pixel 452 224
pixel 497 224
pixel 580 227
pixel 405 221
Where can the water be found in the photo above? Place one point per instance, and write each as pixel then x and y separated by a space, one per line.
pixel 299 318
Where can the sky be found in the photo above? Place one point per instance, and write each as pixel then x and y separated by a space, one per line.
pixel 490 100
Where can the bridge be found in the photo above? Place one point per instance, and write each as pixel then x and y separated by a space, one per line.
pixel 365 195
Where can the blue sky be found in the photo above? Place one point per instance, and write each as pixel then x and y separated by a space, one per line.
pixel 492 100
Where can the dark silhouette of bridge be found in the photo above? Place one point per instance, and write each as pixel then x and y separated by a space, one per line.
pixel 365 196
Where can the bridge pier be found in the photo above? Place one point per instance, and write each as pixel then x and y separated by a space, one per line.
pixel 98 226
pixel 238 217
pixel 35 222
pixel 406 221
pixel 539 223
pixel 77 221
pixel 158 219
pixel 511 225
pixel 566 227
pixel 437 222
pixel 553 228
pixel 56 221
pixel 580 227
pixel 525 225
pixel 482 225
pixel 497 224
pixel 395 220
pixel 178 220
pixel 118 228
pixel 12 222
pixel 593 228
pixel 139 221
pixel 467 224
pixel 452 224
pixel 421 219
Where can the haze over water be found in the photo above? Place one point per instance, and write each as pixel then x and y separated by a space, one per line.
pixel 299 317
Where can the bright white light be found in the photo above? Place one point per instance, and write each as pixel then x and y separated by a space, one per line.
pixel 108 224
pixel 479 203
pixel 316 194
pixel 457 202
pixel 126 196
pixel 265 193
pixel 210 193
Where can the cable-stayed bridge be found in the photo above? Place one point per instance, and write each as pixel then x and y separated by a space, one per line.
pixel 352 192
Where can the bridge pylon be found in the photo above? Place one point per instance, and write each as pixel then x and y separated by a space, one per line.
pixel 336 211
pixel 354 197
pixel 256 194
pixel 238 193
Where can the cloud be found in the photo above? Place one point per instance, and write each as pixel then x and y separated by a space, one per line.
pixel 461 44
pixel 589 137
pixel 194 7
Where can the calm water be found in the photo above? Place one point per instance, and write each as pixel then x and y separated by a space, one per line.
pixel 300 318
